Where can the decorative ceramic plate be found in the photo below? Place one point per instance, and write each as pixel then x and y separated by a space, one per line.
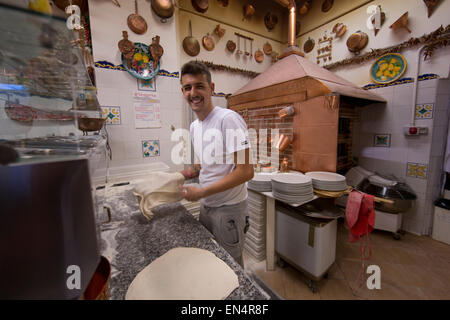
pixel 388 68
pixel 141 65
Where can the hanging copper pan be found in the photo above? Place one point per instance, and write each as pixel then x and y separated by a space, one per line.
pixel 190 44
pixel 270 20
pixel 339 29
pixel 224 3
pixel 163 9
pixel 259 56
pixel 208 42
pixel 326 5
pixel 135 22
pixel 357 41
pixel 267 48
pixel 200 5
pixel 309 45
pixel 219 31
pixel 231 45
pixel 249 11
pixel 304 6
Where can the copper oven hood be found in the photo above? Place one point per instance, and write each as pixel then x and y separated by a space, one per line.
pixel 310 78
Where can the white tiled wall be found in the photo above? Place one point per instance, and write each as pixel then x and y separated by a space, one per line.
pixel 424 149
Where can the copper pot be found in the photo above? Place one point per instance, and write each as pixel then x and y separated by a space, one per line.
pixel 231 45
pixel 270 20
pixel 163 9
pixel 326 5
pixel 339 29
pixel 136 22
pixel 267 48
pixel 249 11
pixel 357 41
pixel 283 142
pixel 208 42
pixel 309 45
pixel 190 44
pixel 259 56
pixel 200 5
pixel 219 31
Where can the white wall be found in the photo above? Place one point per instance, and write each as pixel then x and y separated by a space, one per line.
pixel 115 88
pixel 419 24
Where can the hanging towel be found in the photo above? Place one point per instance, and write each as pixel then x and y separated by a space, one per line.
pixel 160 188
pixel 360 215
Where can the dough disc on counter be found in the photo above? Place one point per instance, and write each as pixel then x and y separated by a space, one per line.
pixel 184 274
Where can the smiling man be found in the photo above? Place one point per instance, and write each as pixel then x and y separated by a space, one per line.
pixel 221 147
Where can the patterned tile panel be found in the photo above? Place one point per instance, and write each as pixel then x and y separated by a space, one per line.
pixel 417 170
pixel 147 85
pixel 382 140
pixel 150 148
pixel 111 114
pixel 424 111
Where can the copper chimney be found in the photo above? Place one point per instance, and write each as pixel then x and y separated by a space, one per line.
pixel 292 48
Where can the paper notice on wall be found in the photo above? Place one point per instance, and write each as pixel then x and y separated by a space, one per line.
pixel 147 111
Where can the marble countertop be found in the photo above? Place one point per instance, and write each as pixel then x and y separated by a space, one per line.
pixel 130 242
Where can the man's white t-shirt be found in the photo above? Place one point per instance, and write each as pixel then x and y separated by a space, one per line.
pixel 215 140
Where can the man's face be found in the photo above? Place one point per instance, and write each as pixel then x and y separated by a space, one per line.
pixel 197 91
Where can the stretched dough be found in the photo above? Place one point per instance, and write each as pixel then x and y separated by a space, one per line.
pixel 184 274
pixel 160 188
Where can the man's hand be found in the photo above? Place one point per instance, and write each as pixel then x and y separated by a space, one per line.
pixel 191 193
pixel 191 172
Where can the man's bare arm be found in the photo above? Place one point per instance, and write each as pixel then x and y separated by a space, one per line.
pixel 241 174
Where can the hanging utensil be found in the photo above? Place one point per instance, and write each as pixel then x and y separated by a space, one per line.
pixel 239 46
pixel 251 48
pixel 200 5
pixel 219 31
pixel 126 47
pixel 270 20
pixel 163 9
pixel 326 5
pixel 245 47
pixel 249 11
pixel 135 22
pixel 208 42
pixel 259 56
pixel 190 44
pixel 267 48
pixel 156 51
pixel 430 5
pixel 116 2
pixel 309 45
pixel 401 22
pixel 231 45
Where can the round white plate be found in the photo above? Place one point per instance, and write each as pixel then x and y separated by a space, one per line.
pixel 325 176
pixel 292 178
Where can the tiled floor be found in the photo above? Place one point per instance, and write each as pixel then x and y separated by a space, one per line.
pixel 411 268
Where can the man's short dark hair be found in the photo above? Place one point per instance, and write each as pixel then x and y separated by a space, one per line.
pixel 195 67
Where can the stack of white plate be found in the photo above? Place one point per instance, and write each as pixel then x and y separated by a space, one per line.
pixel 261 182
pixel 292 188
pixel 327 181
